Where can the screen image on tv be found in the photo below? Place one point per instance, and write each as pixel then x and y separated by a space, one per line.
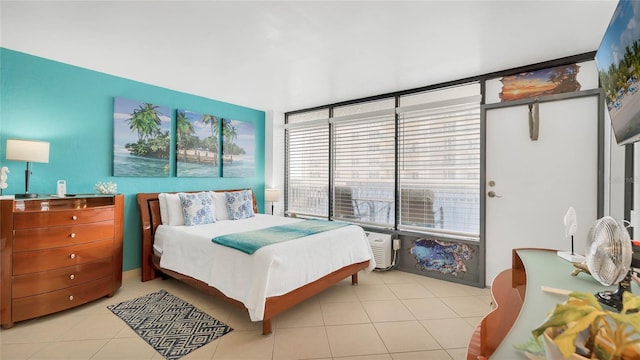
pixel 618 63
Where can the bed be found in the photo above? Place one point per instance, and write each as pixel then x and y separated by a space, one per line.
pixel 274 278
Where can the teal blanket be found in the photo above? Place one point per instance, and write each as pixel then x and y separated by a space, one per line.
pixel 250 241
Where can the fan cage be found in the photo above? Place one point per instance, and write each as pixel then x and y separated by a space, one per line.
pixel 609 251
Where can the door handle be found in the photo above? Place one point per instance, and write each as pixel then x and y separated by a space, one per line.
pixel 492 194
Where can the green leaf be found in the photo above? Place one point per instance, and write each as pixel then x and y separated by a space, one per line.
pixel 589 298
pixel 532 346
pixel 567 340
pixel 566 313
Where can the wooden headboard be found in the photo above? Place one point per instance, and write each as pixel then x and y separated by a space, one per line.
pixel 149 208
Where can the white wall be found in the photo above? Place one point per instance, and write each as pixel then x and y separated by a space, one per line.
pixel 274 158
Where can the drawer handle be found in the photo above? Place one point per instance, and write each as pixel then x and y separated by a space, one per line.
pixel 72 276
pixel 72 256
pixel 73 235
pixel 74 217
pixel 70 297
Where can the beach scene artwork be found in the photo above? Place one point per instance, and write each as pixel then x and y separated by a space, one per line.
pixel 618 63
pixel 141 138
pixel 555 80
pixel 197 143
pixel 238 148
pixel 445 257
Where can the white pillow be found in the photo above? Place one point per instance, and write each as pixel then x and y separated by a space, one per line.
pixel 174 209
pixel 220 205
pixel 164 211
pixel 198 208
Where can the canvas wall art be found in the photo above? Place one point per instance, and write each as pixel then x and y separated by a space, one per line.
pixel 441 259
pixel 238 148
pixel 618 63
pixel 555 80
pixel 197 144
pixel 441 256
pixel 141 138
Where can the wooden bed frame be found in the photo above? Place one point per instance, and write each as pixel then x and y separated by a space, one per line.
pixel 149 207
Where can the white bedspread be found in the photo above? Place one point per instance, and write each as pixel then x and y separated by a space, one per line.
pixel 271 271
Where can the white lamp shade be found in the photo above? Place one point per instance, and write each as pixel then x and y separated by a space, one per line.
pixel 28 150
pixel 271 195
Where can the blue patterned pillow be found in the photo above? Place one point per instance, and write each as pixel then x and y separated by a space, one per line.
pixel 197 208
pixel 239 204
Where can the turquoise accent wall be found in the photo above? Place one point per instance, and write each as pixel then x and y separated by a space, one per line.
pixel 72 108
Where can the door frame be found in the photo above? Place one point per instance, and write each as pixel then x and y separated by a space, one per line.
pixel 483 160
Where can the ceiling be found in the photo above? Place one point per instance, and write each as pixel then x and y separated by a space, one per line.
pixel 288 55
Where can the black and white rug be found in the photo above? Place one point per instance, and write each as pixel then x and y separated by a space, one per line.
pixel 171 325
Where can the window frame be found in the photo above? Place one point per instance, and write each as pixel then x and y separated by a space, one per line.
pixel 394 223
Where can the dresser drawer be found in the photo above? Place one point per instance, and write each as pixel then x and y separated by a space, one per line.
pixel 41 282
pixel 27 220
pixel 47 303
pixel 43 238
pixel 27 262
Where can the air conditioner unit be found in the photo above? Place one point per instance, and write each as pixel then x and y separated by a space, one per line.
pixel 381 248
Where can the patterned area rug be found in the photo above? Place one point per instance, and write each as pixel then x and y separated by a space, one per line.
pixel 171 325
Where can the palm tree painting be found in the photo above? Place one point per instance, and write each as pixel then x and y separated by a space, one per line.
pixel 141 138
pixel 238 148
pixel 197 144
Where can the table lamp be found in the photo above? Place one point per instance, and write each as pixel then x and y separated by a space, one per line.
pixel 272 195
pixel 29 151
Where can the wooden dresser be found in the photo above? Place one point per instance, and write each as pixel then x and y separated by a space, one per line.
pixel 58 253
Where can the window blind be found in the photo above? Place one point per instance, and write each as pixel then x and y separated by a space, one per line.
pixel 307 175
pixel 364 167
pixel 439 166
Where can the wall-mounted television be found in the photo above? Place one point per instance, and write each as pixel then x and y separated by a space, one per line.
pixel 618 63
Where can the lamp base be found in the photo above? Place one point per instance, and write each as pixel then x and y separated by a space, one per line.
pixel 26 196
pixel 571 257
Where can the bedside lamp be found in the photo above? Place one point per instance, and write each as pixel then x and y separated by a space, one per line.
pixel 272 195
pixel 28 151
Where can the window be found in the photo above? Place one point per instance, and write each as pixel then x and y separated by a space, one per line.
pixel 307 165
pixel 364 162
pixel 439 161
pixel 426 145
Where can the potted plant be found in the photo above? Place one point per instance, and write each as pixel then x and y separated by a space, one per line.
pixel 605 334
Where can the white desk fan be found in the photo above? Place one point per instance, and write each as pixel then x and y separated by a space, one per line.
pixel 609 256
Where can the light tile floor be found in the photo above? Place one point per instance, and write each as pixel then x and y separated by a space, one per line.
pixel 390 315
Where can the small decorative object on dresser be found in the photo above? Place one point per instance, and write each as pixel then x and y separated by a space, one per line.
pixel 106 188
pixel 3 178
pixel 58 253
